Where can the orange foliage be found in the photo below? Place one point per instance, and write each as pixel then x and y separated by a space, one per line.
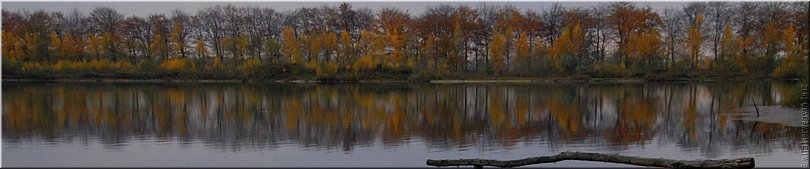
pixel 497 50
pixel 291 47
pixel 176 64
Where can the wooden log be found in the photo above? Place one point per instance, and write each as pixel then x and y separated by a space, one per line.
pixel 640 161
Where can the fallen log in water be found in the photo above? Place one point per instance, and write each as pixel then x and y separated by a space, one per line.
pixel 652 162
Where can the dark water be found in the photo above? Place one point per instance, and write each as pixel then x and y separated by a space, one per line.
pixel 398 125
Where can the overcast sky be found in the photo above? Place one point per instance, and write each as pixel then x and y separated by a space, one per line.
pixel 415 8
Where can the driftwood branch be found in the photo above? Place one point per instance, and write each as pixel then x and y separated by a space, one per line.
pixel 652 162
pixel 755 106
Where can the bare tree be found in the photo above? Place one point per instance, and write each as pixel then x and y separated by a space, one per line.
pixel 553 17
pixel 180 29
pixel 673 29
pixel 212 23
pixel 719 14
pixel 107 21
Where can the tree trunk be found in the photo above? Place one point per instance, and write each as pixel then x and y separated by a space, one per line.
pixel 652 162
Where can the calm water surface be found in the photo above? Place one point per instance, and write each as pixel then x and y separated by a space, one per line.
pixel 399 125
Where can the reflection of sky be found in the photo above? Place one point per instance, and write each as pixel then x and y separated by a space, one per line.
pixel 150 153
pixel 416 8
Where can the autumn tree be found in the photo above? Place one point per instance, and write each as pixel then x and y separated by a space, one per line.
pixel 345 49
pixel 695 40
pixel 566 50
pixel 272 50
pixel 201 50
pixel 627 20
pixel 394 23
pixel 397 52
pixel 522 54
pixel 793 62
pixel 12 48
pixel 428 52
pixel 770 43
pixel 371 48
pixel 94 45
pixel 157 47
pixel 55 46
pixel 179 33
pixel 644 47
pixel 291 48
pixel 315 47
pixel 728 50
pixel 497 50
pixel 455 51
pixel 329 44
pixel 108 21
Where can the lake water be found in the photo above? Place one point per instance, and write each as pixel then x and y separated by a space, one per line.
pixel 384 125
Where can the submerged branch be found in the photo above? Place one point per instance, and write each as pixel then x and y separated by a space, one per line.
pixel 640 161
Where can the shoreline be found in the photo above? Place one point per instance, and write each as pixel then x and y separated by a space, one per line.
pixel 512 80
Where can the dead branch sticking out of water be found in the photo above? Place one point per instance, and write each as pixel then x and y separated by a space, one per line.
pixel 640 161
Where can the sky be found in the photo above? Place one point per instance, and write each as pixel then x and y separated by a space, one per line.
pixel 414 7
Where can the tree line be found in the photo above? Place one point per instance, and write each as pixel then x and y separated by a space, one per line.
pixel 618 39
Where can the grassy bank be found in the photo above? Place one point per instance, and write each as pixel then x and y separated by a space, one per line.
pixel 192 70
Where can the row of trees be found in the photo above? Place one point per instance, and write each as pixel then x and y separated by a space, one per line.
pixel 606 39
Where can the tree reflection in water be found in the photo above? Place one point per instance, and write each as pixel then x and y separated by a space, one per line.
pixel 446 117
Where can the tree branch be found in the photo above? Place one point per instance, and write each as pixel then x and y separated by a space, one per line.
pixel 652 162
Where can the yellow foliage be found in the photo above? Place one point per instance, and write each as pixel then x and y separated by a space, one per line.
pixel 56 44
pixel 106 42
pixel 291 47
pixel 122 65
pixel 12 47
pixel 497 51
pixel 311 65
pixel 158 46
pixel 93 44
pixel 643 45
pixel 26 66
pixel 409 63
pixel 242 45
pixel 69 48
pixel 175 36
pixel 324 69
pixel 249 64
pixel 97 66
pixel 395 58
pixel 610 69
pixel 366 62
pixel 201 50
pixel 217 63
pixel 176 64
pixel 793 62
pixel 523 47
pixel 345 48
pixel 790 66
pixel 694 39
pixel 314 46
